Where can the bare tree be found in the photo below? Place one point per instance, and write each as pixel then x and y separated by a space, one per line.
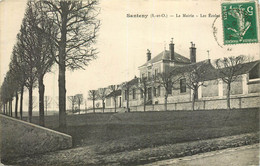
pixel 34 102
pixel 15 84
pixel 166 80
pixel 17 65
pixel 229 68
pixel 113 89
pixel 93 95
pixel 7 92
pixel 102 93
pixel 143 85
pixel 77 27
pixel 127 86
pixel 47 101
pixel 25 50
pixel 195 79
pixel 79 100
pixel 72 100
pixel 38 45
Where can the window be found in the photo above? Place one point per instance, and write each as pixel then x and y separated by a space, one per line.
pixel 143 75
pixel 183 85
pixel 141 93
pixel 133 93
pixel 169 88
pixel 149 74
pixel 155 72
pixel 126 95
pixel 158 91
pixel 154 91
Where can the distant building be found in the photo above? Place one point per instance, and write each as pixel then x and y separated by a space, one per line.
pixel 112 97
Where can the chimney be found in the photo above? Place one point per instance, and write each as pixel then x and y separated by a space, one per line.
pixel 148 55
pixel 171 48
pixel 192 53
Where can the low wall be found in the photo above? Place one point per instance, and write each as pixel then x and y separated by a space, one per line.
pixel 206 104
pixel 19 138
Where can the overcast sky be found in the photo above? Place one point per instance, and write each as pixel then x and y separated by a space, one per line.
pixel 123 41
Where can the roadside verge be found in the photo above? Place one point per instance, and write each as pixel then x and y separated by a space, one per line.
pixel 19 138
pixel 148 155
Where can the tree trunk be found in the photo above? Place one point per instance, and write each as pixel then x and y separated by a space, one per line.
pixel 21 103
pixel 4 108
pixel 228 95
pixel 10 107
pixel 7 108
pixel 62 98
pixel 144 101
pixel 115 104
pixel 93 106
pixel 165 102
pixel 62 70
pixel 193 100
pixel 103 104
pixel 194 97
pixel 16 104
pixel 79 108
pixel 41 100
pixel 30 103
pixel 46 105
pixel 127 101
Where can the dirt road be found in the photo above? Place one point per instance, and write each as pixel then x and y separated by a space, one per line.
pixel 241 156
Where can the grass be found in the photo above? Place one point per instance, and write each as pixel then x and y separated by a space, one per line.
pixel 143 137
pixel 132 131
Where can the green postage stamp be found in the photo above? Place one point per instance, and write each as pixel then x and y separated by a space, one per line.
pixel 239 22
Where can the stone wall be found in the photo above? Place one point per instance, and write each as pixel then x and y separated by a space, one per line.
pixel 253 88
pixel 210 88
pixel 19 138
pixel 236 87
pixel 246 101
pixel 207 104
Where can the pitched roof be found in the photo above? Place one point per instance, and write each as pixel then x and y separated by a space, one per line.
pixel 242 68
pixel 116 93
pixel 132 82
pixel 165 55
pixel 205 66
pixel 210 71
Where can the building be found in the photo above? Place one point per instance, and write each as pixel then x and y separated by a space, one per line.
pixel 114 97
pixel 245 89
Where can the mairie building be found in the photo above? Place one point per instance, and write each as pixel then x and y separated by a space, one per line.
pixel 245 90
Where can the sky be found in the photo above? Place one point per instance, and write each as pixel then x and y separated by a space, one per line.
pixel 123 41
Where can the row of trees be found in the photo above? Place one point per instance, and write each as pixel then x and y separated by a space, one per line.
pixel 76 100
pixel 99 94
pixel 52 32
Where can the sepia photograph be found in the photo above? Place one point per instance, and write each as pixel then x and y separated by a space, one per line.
pixel 129 82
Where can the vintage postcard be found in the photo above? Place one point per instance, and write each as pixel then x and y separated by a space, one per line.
pixel 120 82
